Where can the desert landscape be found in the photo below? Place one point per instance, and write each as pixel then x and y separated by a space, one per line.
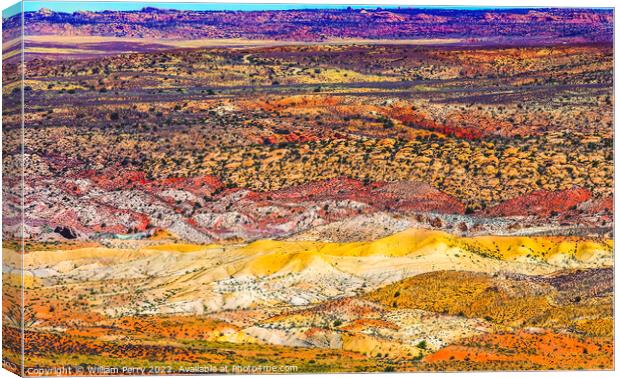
pixel 317 190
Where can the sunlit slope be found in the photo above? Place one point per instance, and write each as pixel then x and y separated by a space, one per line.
pixel 273 256
pixel 400 244
pixel 544 248
pixel 422 247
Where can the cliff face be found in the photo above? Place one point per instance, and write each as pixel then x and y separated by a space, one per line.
pixel 497 26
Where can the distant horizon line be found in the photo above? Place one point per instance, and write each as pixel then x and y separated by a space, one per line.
pixel 103 6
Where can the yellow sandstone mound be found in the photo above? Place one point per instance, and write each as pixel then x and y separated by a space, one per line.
pixel 423 242
pixel 412 251
pixel 547 249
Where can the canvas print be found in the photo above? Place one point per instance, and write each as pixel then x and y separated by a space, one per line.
pixel 270 188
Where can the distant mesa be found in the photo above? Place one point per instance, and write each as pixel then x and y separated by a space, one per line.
pixel 45 12
pixel 497 27
pixel 152 10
